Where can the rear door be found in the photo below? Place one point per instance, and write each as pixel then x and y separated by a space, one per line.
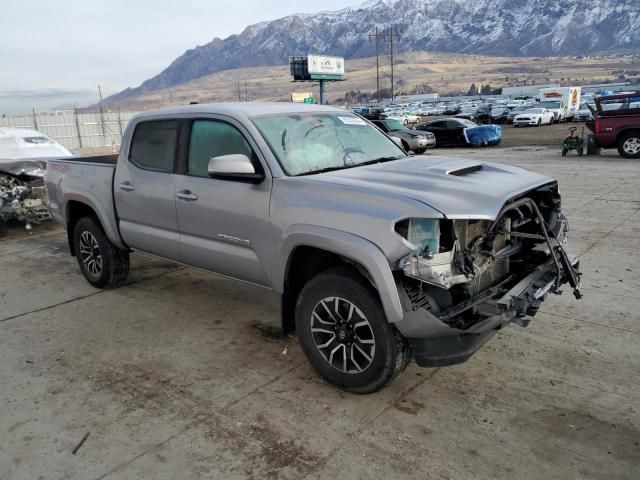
pixel 454 133
pixel 223 223
pixel 144 189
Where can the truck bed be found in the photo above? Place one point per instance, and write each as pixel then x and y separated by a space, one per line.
pixel 88 180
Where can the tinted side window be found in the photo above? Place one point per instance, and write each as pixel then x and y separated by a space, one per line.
pixel 212 138
pixel 153 146
pixel 452 125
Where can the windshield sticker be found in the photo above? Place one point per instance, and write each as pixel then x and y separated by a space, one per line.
pixel 352 121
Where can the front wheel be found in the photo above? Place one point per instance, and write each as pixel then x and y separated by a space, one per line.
pixel 101 262
pixel 345 335
pixel 629 145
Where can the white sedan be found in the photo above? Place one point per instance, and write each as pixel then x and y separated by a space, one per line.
pixel 404 118
pixel 533 116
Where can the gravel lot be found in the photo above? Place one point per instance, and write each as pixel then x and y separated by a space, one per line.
pixel 181 374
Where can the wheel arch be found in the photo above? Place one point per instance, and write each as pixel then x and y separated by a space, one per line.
pixel 77 206
pixel 308 250
pixel 627 130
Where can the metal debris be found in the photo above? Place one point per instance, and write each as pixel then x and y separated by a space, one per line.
pixel 22 199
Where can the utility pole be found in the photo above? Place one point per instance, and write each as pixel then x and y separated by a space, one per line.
pixel 392 81
pixel 390 36
pixel 239 97
pixel 104 135
pixel 376 36
pixel 246 92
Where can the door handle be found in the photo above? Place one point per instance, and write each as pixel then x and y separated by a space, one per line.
pixel 126 186
pixel 187 195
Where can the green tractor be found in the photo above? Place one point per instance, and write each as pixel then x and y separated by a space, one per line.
pixel 573 142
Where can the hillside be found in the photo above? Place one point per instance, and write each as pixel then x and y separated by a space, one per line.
pixel 494 27
pixel 415 72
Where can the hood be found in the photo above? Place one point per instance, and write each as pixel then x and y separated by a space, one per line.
pixel 458 188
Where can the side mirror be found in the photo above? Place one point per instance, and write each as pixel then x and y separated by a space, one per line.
pixel 236 167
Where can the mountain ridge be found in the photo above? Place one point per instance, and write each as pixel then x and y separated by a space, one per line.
pixel 490 27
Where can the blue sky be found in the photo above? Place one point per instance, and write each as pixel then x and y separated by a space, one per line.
pixel 74 45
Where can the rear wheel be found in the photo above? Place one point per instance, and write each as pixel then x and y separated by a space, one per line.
pixel 345 335
pixel 101 262
pixel 629 145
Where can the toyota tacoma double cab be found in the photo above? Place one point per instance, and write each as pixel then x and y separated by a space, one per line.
pixel 379 257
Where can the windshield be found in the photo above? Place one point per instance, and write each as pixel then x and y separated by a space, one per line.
pixel 466 123
pixel 535 110
pixel 551 104
pixel 395 125
pixel 305 143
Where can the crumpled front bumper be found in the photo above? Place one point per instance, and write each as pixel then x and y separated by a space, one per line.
pixel 436 344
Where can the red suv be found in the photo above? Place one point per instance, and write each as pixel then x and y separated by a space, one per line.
pixel 617 123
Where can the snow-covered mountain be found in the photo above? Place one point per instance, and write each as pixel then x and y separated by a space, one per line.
pixel 502 27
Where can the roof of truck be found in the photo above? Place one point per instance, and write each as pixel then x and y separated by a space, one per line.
pixel 248 109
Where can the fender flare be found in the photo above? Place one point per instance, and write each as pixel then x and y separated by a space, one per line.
pixel 86 198
pixel 353 247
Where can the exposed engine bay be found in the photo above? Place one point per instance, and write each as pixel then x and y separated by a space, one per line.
pixel 473 274
pixel 22 199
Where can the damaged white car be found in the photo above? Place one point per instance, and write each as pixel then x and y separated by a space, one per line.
pixel 23 162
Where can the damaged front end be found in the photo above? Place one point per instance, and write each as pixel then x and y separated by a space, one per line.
pixel 466 279
pixel 22 199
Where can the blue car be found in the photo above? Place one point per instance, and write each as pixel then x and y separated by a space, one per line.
pixel 460 132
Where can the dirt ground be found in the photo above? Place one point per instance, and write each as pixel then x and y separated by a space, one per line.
pixel 181 374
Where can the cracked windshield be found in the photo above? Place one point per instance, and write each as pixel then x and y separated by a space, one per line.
pixel 312 143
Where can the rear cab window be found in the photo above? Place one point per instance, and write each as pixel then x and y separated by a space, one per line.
pixel 153 146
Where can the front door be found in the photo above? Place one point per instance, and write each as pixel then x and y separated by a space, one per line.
pixel 144 189
pixel 223 223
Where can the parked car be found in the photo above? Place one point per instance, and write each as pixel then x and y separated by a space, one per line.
pixel 379 257
pixel 452 110
pixel 412 141
pixel 617 123
pixel 515 111
pixel 400 117
pixel 499 114
pixel 583 114
pixel 533 117
pixel 460 132
pixel 476 114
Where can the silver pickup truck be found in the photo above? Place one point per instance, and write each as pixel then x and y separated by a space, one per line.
pixel 379 257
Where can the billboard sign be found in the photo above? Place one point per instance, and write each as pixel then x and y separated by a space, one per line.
pixel 324 67
pixel 302 97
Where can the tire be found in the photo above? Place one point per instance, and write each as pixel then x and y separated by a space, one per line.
pixel 564 152
pixel 328 308
pixel 102 263
pixel 629 144
pixel 405 145
pixel 539 123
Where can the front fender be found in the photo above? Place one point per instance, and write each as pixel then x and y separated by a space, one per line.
pixel 353 247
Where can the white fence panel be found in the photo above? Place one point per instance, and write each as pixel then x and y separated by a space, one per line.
pixel 75 130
